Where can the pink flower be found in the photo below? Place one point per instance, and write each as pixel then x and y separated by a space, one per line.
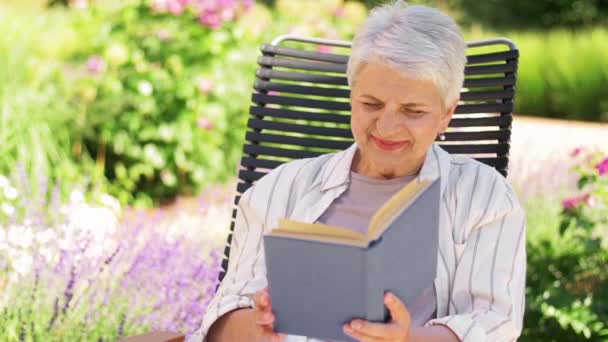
pixel 324 48
pixel 339 12
pixel 589 200
pixel 163 35
pixel 274 93
pixel 204 123
pixel 79 4
pixel 204 85
pixel 175 8
pixel 227 14
pixel 159 6
pixel 575 152
pixel 247 4
pixel 225 3
pixel 96 65
pixel 602 167
pixel 570 203
pixel 210 19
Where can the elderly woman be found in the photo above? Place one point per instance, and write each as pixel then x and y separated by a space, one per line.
pixel 406 72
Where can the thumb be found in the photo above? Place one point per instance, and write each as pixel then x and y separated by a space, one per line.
pixel 397 309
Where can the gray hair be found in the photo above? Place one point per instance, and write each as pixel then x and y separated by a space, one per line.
pixel 421 42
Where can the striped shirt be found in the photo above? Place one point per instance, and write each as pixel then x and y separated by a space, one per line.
pixel 480 282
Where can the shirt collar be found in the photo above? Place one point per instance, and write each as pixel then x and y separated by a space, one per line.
pixel 336 171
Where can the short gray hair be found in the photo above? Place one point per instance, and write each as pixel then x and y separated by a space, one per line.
pixel 420 41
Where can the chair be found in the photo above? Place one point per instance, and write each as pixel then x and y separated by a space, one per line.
pixel 300 108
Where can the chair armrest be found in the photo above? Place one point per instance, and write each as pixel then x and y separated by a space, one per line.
pixel 156 336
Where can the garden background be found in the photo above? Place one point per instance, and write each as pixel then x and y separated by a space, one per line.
pixel 121 126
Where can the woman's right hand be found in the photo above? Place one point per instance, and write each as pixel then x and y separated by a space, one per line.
pixel 264 318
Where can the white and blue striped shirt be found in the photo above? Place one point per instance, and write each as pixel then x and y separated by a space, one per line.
pixel 481 267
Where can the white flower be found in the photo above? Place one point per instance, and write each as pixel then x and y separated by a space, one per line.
pixel 144 88
pixel 49 254
pixel 10 192
pixel 22 264
pixel 76 197
pixel 20 236
pixel 8 209
pixel 45 236
pixel 97 222
pixel 4 182
pixel 3 244
pixel 110 202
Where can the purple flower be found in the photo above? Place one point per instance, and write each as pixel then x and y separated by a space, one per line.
pixel 570 203
pixel 96 65
pixel 602 167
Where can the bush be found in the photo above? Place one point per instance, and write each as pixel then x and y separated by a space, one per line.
pixel 524 14
pixel 161 88
pixel 567 285
pixel 160 93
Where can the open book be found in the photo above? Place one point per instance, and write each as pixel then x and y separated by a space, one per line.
pixel 320 276
pixel 378 224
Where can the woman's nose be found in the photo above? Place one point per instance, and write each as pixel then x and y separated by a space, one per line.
pixel 388 124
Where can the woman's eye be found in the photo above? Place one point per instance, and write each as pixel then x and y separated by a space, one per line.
pixel 415 113
pixel 369 104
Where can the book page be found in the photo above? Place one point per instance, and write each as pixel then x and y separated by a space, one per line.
pixel 323 238
pixel 295 228
pixel 395 205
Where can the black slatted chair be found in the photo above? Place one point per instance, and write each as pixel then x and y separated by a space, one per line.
pixel 301 108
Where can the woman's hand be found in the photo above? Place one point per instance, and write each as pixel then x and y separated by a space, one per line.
pixel 264 318
pixel 398 330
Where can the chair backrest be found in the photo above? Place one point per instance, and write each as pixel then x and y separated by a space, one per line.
pixel 301 108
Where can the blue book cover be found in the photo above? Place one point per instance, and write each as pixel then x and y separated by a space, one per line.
pixel 320 277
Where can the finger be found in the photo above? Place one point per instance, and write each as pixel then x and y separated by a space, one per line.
pixel 397 309
pixel 264 318
pixel 378 330
pixel 359 336
pixel 261 298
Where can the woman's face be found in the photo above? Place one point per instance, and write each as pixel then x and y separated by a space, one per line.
pixel 394 120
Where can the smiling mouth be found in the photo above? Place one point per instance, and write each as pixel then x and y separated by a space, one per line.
pixel 388 145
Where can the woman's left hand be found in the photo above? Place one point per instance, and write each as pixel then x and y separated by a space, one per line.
pixel 397 330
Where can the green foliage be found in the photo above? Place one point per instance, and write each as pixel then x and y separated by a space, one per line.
pixel 160 108
pixel 567 284
pixel 520 14
pixel 35 117
pixel 525 14
pixel 160 98
pixel 562 74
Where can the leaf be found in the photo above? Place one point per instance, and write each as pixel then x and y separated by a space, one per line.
pixel 584 180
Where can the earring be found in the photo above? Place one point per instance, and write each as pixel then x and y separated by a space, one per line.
pixel 442 137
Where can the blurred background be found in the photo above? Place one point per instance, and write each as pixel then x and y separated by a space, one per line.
pixel 121 129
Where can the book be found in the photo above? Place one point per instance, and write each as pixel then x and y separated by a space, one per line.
pixel 321 277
